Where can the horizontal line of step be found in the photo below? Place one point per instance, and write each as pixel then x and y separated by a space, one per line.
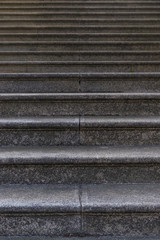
pixel 82 123
pixel 61 8
pixel 81 5
pixel 113 198
pixel 79 165
pixel 79 66
pixel 77 15
pixel 77 96
pixel 79 155
pixel 77 22
pixel 79 103
pixel 79 56
pixel 10 37
pixel 81 29
pixel 79 45
pixel 84 82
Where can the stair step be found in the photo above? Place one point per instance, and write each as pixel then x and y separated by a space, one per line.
pixel 79 238
pixel 124 131
pixel 37 15
pixel 81 9
pixel 62 209
pixel 79 45
pixel 75 82
pixel 93 104
pixel 81 29
pixel 77 165
pixel 80 4
pixel 77 22
pixel 80 56
pixel 78 66
pixel 88 130
pixel 6 37
pixel 35 131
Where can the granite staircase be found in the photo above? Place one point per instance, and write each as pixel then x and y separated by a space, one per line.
pixel 79 119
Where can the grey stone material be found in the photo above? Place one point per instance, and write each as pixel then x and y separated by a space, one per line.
pixel 80 29
pixel 76 165
pixel 78 15
pixel 39 199
pixel 119 131
pixel 40 225
pixel 75 36
pixel 56 122
pixel 80 55
pixel 121 198
pixel 79 120
pixel 82 9
pixel 79 66
pixel 80 4
pixel 60 155
pixel 39 131
pixel 74 174
pixel 76 45
pixel 107 198
pixel 23 82
pixel 74 215
pixel 75 82
pixel 76 22
pixel 98 122
pixel 39 137
pixel 81 238
pixel 38 104
pixel 129 225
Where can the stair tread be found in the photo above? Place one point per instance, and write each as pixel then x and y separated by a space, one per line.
pixel 40 122
pixel 77 96
pixel 79 155
pixel 92 198
pixel 99 122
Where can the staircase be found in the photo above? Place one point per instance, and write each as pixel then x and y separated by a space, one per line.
pixel 79 119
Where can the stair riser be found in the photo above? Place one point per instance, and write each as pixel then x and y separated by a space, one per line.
pixel 120 136
pixel 75 46
pixel 121 85
pixel 80 9
pixel 41 85
pixel 98 84
pixel 110 56
pixel 64 174
pixel 78 37
pixel 81 68
pixel 98 29
pixel 47 137
pixel 76 107
pixel 80 5
pixel 65 22
pixel 40 224
pixel 93 224
pixel 121 224
pixel 77 16
pixel 107 136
